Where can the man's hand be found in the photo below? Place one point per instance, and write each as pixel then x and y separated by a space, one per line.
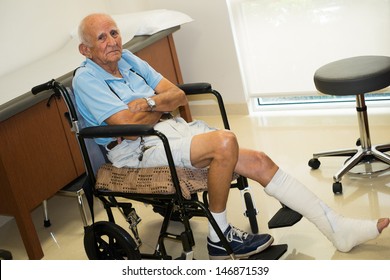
pixel 138 105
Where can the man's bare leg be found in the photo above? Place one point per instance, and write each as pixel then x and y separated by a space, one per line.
pixel 219 150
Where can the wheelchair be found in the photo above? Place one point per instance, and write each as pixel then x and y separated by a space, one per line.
pixel 106 239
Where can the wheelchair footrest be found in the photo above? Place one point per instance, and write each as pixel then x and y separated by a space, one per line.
pixel 285 217
pixel 273 252
pixel 74 186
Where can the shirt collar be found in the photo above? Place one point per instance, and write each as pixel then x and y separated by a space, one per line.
pixel 123 66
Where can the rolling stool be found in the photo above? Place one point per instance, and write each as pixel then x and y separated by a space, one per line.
pixel 354 76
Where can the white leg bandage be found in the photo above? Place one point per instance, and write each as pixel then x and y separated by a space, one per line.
pixel 344 233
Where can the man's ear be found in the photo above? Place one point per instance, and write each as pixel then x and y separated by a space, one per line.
pixel 85 50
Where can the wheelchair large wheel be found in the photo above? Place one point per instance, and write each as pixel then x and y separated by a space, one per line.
pixel 251 212
pixel 108 241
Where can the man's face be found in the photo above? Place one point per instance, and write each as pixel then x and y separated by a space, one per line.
pixel 104 41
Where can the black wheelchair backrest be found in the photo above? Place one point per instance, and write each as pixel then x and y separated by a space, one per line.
pixel 95 154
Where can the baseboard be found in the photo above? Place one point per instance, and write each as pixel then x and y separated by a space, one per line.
pixel 4 220
pixel 213 110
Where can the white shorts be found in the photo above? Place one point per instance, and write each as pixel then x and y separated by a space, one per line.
pixel 179 134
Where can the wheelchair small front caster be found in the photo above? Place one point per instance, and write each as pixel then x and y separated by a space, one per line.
pixel 251 213
pixel 314 163
pixel 337 188
pixel 46 223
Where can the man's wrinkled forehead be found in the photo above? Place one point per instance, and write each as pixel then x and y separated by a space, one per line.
pixel 101 24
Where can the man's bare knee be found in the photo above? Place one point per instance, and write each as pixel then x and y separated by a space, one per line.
pixel 227 146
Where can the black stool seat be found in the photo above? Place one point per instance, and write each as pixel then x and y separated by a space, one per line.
pixel 355 76
pixel 352 76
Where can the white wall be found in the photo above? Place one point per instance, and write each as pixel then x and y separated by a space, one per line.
pixel 206 48
pixel 32 29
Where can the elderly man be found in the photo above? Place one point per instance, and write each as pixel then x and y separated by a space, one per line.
pixel 113 86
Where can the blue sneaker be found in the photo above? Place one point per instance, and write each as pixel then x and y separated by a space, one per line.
pixel 242 243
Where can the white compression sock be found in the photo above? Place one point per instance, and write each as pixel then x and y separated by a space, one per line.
pixel 344 233
pixel 221 219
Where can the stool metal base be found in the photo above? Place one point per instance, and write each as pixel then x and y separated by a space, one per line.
pixel 365 153
pixel 371 166
pixel 358 156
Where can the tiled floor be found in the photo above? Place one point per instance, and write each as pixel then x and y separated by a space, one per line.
pixel 289 138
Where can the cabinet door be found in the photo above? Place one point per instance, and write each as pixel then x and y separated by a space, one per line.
pixel 35 154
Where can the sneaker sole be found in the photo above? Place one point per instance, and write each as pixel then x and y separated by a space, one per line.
pixel 241 256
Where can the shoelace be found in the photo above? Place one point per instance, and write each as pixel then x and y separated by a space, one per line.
pixel 236 232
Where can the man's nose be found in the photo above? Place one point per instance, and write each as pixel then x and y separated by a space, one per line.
pixel 112 41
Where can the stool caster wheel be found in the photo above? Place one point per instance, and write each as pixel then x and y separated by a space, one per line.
pixel 337 188
pixel 314 163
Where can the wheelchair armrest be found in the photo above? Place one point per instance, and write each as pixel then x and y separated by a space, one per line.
pixel 196 88
pixel 206 88
pixel 106 131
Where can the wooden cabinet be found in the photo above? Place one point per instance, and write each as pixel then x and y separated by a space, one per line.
pixel 35 163
pixel 40 155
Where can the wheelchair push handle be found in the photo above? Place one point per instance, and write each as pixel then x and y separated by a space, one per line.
pixel 58 91
pixel 42 87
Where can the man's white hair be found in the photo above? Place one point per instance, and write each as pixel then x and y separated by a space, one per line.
pixel 83 37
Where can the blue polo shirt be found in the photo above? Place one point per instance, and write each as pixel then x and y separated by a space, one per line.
pixel 99 95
